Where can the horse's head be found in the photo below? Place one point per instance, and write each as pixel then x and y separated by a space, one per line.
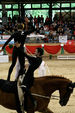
pixel 65 93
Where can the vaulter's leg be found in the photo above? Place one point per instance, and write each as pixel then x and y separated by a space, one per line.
pixel 22 62
pixel 14 58
pixel 47 110
pixel 19 98
pixel 19 109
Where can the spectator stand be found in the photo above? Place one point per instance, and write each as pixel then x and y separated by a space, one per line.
pixel 35 38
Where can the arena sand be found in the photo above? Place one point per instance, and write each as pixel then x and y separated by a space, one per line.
pixel 65 68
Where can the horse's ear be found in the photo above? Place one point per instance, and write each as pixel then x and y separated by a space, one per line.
pixel 72 85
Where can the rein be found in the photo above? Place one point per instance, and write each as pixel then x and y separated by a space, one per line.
pixel 42 96
pixel 46 97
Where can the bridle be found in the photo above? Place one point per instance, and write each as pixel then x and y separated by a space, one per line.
pixel 69 90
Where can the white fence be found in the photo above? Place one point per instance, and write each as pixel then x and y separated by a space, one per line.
pixel 66 57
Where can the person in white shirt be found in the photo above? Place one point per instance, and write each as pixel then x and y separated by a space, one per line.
pixel 42 69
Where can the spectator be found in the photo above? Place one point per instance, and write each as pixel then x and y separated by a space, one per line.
pixel 35 20
pixel 38 20
pixel 47 21
pixel 42 19
pixel 42 31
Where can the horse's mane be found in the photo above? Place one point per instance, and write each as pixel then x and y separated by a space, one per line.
pixel 52 77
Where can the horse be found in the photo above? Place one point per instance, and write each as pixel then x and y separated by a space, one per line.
pixel 41 91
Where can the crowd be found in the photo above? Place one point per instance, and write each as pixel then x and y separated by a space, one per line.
pixel 25 78
pixel 50 29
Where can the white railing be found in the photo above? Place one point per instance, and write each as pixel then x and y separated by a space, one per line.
pixel 66 57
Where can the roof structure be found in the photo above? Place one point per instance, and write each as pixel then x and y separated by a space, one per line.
pixel 34 1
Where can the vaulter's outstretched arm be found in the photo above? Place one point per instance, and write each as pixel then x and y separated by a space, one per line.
pixel 6 43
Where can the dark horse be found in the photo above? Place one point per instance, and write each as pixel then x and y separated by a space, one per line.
pixel 42 90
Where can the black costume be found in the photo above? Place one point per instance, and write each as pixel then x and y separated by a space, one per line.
pixel 19 37
pixel 34 63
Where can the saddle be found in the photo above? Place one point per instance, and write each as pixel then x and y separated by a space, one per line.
pixel 8 86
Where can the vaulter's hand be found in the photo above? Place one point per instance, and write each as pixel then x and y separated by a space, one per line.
pixel 1 50
pixel 17 44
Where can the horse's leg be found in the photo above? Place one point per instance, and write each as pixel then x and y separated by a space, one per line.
pixel 47 110
pixel 30 111
pixel 20 110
